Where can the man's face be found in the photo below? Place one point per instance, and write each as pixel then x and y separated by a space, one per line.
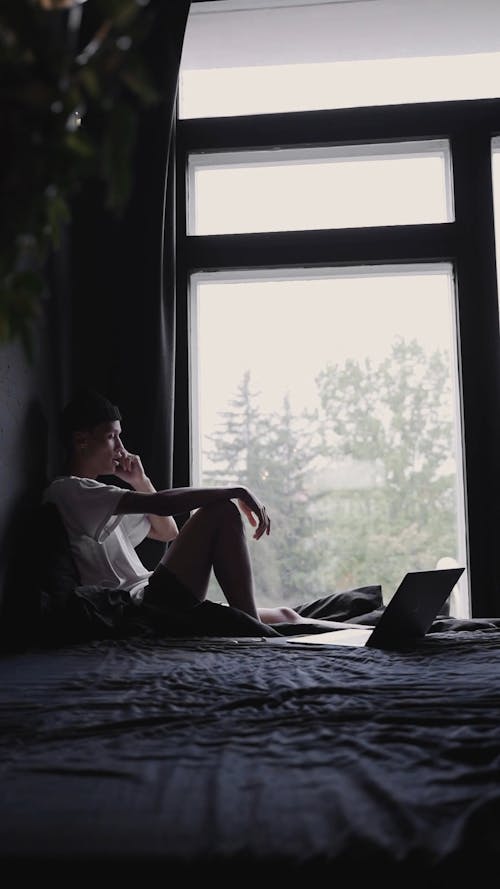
pixel 101 447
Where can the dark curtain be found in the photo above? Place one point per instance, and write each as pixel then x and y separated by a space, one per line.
pixel 124 303
pixel 109 315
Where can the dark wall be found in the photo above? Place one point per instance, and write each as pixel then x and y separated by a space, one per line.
pixel 29 452
pixel 108 320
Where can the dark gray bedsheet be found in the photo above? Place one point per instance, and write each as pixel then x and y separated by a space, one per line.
pixel 253 753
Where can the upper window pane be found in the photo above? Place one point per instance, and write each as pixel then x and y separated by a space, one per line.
pixel 332 187
pixel 273 56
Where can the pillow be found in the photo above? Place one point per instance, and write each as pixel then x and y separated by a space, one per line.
pixel 346 605
pixel 58 571
pixel 43 580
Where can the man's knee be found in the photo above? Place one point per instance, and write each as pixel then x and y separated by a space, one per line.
pixel 224 512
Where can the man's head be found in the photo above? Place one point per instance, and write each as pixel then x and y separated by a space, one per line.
pixel 85 411
pixel 91 431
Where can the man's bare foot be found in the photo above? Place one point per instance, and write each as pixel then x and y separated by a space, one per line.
pixel 284 615
pixel 281 615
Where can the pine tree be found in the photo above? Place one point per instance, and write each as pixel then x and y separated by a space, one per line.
pixel 270 454
pixel 295 540
pixel 235 450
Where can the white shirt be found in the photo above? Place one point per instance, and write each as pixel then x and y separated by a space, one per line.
pixel 102 542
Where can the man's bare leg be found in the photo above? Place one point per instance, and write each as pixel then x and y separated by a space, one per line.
pixel 214 537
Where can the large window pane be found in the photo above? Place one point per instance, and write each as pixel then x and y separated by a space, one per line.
pixel 276 88
pixel 333 187
pixel 333 394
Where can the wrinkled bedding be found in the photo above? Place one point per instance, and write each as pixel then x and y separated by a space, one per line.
pixel 248 752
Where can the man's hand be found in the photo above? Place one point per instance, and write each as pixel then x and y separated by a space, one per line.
pixel 255 512
pixel 131 470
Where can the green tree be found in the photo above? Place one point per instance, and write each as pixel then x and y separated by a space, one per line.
pixel 237 448
pixel 271 454
pixel 359 491
pixel 296 545
pixel 393 421
pixel 237 455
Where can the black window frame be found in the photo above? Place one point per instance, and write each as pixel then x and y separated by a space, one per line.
pixel 468 243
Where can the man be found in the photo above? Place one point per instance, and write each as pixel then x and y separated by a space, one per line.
pixel 105 523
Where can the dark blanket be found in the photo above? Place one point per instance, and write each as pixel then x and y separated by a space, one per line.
pixel 124 751
pixel 232 756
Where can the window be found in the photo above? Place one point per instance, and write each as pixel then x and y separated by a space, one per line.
pixel 332 187
pixel 361 243
pixel 337 401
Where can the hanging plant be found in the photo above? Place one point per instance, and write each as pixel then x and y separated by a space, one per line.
pixel 74 77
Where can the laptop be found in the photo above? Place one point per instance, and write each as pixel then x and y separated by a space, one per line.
pixel 405 619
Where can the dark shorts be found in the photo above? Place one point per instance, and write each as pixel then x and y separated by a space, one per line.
pixel 171 609
pixel 167 592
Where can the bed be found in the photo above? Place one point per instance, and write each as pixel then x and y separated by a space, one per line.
pixel 226 756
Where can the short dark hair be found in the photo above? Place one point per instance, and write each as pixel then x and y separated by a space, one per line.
pixel 86 409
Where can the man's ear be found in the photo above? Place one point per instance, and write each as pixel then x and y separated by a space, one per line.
pixel 80 439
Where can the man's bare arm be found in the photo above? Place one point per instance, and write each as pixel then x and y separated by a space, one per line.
pixel 131 470
pixel 175 501
pixel 163 528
